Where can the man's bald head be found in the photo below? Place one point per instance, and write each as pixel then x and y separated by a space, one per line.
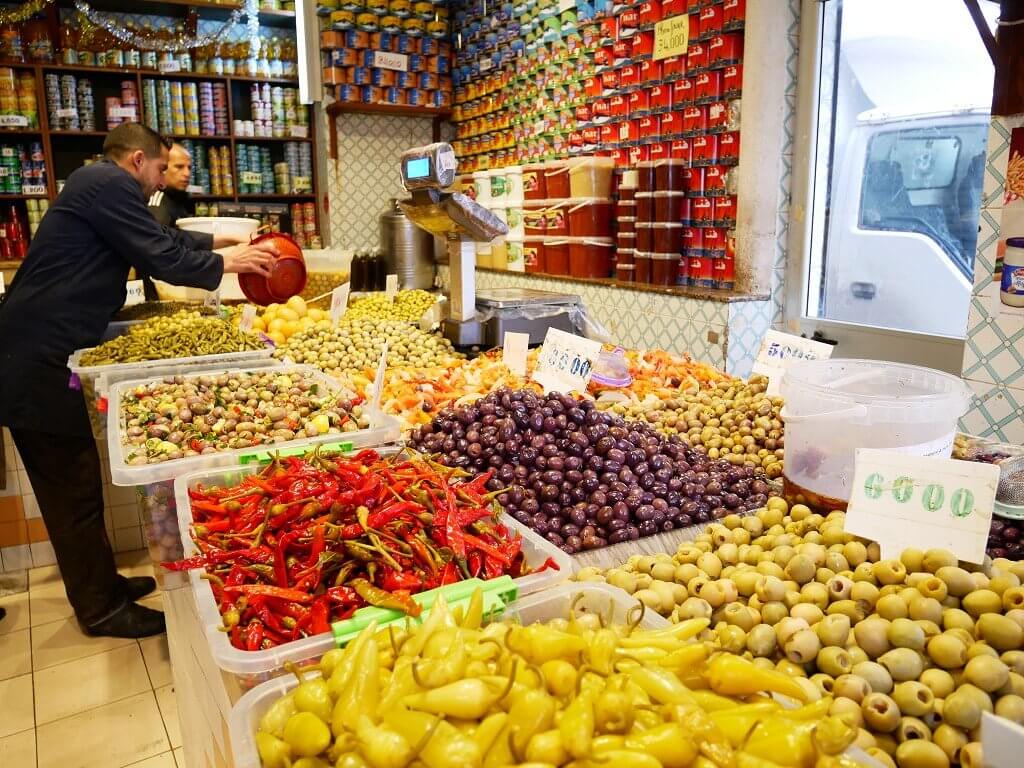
pixel 179 169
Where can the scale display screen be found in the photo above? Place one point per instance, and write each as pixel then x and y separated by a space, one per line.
pixel 417 168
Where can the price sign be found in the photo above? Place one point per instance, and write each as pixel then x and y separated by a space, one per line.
pixel 514 351
pixel 252 177
pixel 779 350
pixel 671 37
pixel 391 287
pixel 904 501
pixel 566 362
pixel 486 64
pixel 248 315
pixel 135 293
pixel 212 300
pixel 33 189
pixel 66 112
pixel 378 381
pixel 387 60
pixel 13 121
pixel 302 184
pixel 3 285
pixel 4 172
pixel 195 189
pixel 169 66
pixel 1001 741
pixel 339 302
pixel 299 131
pixel 121 113
pixel 7 152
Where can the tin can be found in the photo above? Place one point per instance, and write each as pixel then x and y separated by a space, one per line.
pixel 671 124
pixel 629 76
pixel 695 120
pixel 650 12
pixel 638 154
pixel 650 72
pixel 683 92
pixel 725 211
pixel 725 49
pixel 732 81
pixel 710 22
pixel 702 211
pixel 718 118
pixel 696 57
pixel 734 15
pixel 707 87
pixel 673 67
pixel 622 51
pixel 729 148
pixel 660 98
pixel 680 149
pixel 640 104
pixel 705 150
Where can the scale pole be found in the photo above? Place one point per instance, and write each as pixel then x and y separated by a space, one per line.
pixel 462 277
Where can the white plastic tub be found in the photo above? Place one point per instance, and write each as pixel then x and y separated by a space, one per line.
pixel 834 407
pixel 551 604
pixel 254 667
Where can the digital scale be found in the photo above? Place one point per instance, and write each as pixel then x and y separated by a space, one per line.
pixel 474 319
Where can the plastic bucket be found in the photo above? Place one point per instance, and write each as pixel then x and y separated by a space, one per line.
pixel 664 268
pixel 642 261
pixel 534 254
pixel 591 257
pixel 644 206
pixel 556 179
pixel 590 217
pixel 556 256
pixel 591 177
pixel 834 407
pixel 534 186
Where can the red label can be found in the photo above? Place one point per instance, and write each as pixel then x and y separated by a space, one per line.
pixel 658 150
pixel 693 26
pixel 715 178
pixel 680 149
pixel 714 242
pixel 734 14
pixel 724 270
pixel 601 109
pixel 710 21
pixel 671 124
pixel 693 241
pixel 729 147
pixel 683 273
pixel 685 211
pixel 732 81
pixel 702 211
pixel 717 117
pixel 610 80
pixel 705 149
pixel 618 106
pixel 661 98
pixel 609 27
pixel 697 57
pixel 670 8
pixel 582 113
pixel 629 76
pixel 620 156
pixel 693 183
pixel 650 12
pixel 621 50
pixel 682 92
pixel 725 49
pixel 650 71
pixel 638 154
pixel 640 102
pixel 695 120
pixel 673 67
pixel 629 20
pixel 643 44
pixel 604 56
pixel 609 136
pixel 591 136
pixel 592 87
pixel 701 274
pixel 650 127
pixel 576 139
pixel 694 6
pixel 725 211
pixel 629 131
pixel 707 87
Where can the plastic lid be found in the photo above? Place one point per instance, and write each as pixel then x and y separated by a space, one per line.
pixel 646 224
pixel 629 179
pixel 893 391
pixel 646 164
pixel 668 193
pixel 645 194
pixel 625 266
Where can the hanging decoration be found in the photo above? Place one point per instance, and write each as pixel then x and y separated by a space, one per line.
pixel 160 41
pixel 23 12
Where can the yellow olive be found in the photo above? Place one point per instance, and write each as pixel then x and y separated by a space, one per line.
pixel 846 710
pixel 1015 685
pixel 823 683
pixel 833 630
pixel 802 646
pixel 982 601
pixel 1002 582
pixel 787 627
pixel 880 712
pixel 971 755
pixel 730 638
pixel 853 610
pixel 865 592
pixel 857 654
pixel 939 681
pixel 958 581
pixel 685 572
pixel 710 564
pixel 875 675
pixel 962 709
pixel 912 559
pixel 930 628
pixel 881 756
pixel 712 593
pixel 1017 614
pixel 981 649
pixel 812 614
pixel 816 594
pixel 954 618
pixel 918 753
pixel 834 661
pixel 761 640
pixel 851 687
pixel 902 663
pixel 741 616
pixel 938 558
pixel 773 613
pixel 1001 633
pixel 872 635
pixel 987 673
pixel 904 633
pixel 891 607
pixel 663 572
pixel 863 572
pixel 791 669
pixel 770 589
pixel 912 728
pixel 1013 598
pixel 922 607
pixel 1014 660
pixel 913 698
pixel 890 572
pixel 950 740
pixel 1011 707
pixel 933 587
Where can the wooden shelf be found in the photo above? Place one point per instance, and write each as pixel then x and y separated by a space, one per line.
pixel 152 73
pixel 397 110
pixel 187 137
pixel 250 139
pixel 16 196
pixel 182 8
pixel 85 134
pixel 296 196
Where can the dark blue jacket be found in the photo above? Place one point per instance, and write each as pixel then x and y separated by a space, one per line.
pixel 73 281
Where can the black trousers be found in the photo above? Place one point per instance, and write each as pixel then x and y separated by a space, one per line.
pixel 67 479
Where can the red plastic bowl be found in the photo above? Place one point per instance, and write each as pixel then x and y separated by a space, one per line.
pixel 287 276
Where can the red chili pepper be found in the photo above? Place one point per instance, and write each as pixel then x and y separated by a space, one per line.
pixel 318 613
pixel 253 636
pixel 449 574
pixel 342 595
pixel 267 590
pixel 488 549
pixel 393 580
pixel 549 564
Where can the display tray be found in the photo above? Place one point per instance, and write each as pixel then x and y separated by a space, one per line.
pixel 253 667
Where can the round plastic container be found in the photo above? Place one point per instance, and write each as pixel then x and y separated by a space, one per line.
pixel 590 217
pixel 534 220
pixel 668 206
pixel 591 177
pixel 514 177
pixel 624 255
pixel 556 179
pixel 591 256
pixel 482 187
pixel 499 187
pixel 644 206
pixel 534 254
pixel 514 219
pixel 625 273
pixel 626 194
pixel 483 255
pixel 556 256
pixel 499 254
pixel 664 268
pixel 645 176
pixel 834 407
pixel 668 175
pixel 667 238
pixel 642 260
pixel 626 223
pixel 625 240
pixel 287 274
pixel 644 236
pixel 556 219
pixel 534 186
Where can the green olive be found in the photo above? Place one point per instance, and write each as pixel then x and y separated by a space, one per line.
pixel 912 728
pixel 939 681
pixel 928 608
pixel 950 740
pixel 954 618
pixel 852 687
pixel 904 633
pixel 1011 707
pixel 987 673
pixel 890 572
pixel 761 640
pixel 846 710
pixel 934 559
pixel 1001 633
pixel 823 683
pixel 802 646
pixel 875 675
pixel 891 606
pixel 918 753
pixel 880 712
pixel 971 755
pixel 865 592
pixel 933 587
pixel 812 614
pixel 982 601
pixel 902 663
pixel 1014 660
pixel 913 698
pixel 853 610
pixel 872 635
pixel 962 708
pixel 958 581
pixel 1013 598
pixel 833 630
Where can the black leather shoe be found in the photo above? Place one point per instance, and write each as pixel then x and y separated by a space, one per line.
pixel 132 621
pixel 3 612
pixel 137 587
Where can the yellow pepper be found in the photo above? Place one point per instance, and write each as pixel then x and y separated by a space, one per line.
pixel 345 668
pixel 668 742
pixel 442 670
pixel 833 735
pixel 538 643
pixel 642 655
pixel 530 713
pixel 601 653
pixel 547 747
pixel 620 758
pixel 500 753
pixel 712 702
pixel 274 753
pixel 684 630
pixel 710 740
pixel 685 659
pixel 273 719
pixel 661 685
pixel 607 742
pixel 351 760
pixel 361 696
pixel 813 711
pixel 613 711
pixel 786 741
pixel 737 723
pixel 382 747
pixel 560 677
pixel 438 618
pixel 468 699
pixel 475 611
pixel 488 731
pixel 577 725
pixel 746 760
pixel 735 676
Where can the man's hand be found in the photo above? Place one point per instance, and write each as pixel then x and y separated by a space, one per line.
pixel 223 241
pixel 256 258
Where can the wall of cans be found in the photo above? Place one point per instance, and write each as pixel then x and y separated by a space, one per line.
pixel 185 108
pixel 22 169
pixel 211 168
pixel 276 112
pixel 70 103
pixel 18 97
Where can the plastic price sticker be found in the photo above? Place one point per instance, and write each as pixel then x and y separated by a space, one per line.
pixel 252 177
pixel 779 350
pixel 514 351
pixel 901 501
pixel 13 121
pixel 339 302
pixel 135 293
pixel 167 67
pixel 378 380
pixel 671 37
pixel 248 316
pixel 566 362
pixel 299 131
pixel 387 60
pixel 391 287
pixel 33 189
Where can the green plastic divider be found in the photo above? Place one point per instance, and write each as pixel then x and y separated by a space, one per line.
pixel 268 456
pixel 497 594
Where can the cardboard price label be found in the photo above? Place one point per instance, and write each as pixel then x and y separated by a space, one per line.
pixel 566 362
pixel 514 351
pixel 195 189
pixel 779 350
pixel 121 113
pixel 135 293
pixel 339 302
pixel 671 37
pixel 302 184
pixel 299 131
pixel 66 112
pixel 925 502
pixel 169 66
pixel 252 177
pixel 391 287
pixel 3 285
pixel 13 121
pixel 387 60
pixel 248 316
pixel 33 189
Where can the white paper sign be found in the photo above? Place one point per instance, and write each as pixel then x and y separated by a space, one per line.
pixel 566 362
pixel 779 350
pixel 339 302
pixel 252 177
pixel 13 121
pixel 66 112
pixel 1001 741
pixel 212 300
pixel 391 287
pixel 121 113
pixel 33 189
pixel 514 351
pixel 299 131
pixel 169 66
pixel 566 5
pixel 388 60
pixel 925 502
pixel 3 285
pixel 248 316
pixel 135 293
pixel 378 381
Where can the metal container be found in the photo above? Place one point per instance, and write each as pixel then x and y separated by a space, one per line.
pixel 408 250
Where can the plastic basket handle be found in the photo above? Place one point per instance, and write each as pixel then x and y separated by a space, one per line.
pixel 497 593
pixel 851 410
pixel 264 457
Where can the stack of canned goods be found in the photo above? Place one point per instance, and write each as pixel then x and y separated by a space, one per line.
pixel 304 230
pixel 255 170
pixel 275 112
pixel 211 168
pixel 22 168
pixel 185 108
pixel 70 103
pixel 18 96
pixel 213 109
pixel 124 109
pixel 36 209
pixel 295 174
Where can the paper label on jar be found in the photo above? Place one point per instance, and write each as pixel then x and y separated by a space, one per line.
pixel 339 302
pixel 302 184
pixel 566 362
pixel 391 287
pixel 248 316
pixel 135 293
pixel 779 350
pixel 387 60
pixel 195 189
pixel 514 351
pixel 925 502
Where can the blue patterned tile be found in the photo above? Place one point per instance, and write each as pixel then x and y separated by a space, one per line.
pixel 996 411
pixel 996 162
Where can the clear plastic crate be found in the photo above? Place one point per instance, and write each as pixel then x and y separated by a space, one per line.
pixel 553 603
pixel 254 667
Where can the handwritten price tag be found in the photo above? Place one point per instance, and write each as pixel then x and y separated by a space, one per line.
pixel 391 287
pixel 671 37
pixel 299 131
pixel 248 316
pixel 33 189
pixel 339 302
pixel 925 502
pixel 779 350
pixel 302 183
pixel 170 66
pixel 514 351
pixel 566 362
pixel 121 113
pixel 378 381
pixel 135 293
pixel 195 189
pixel 387 60
pixel 252 177
pixel 13 121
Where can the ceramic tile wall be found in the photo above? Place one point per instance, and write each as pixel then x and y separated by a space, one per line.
pixel 994 353
pixel 23 539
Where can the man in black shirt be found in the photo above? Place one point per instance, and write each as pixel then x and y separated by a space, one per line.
pixel 71 282
pixel 172 202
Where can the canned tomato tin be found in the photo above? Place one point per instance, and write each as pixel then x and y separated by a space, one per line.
pixel 609 27
pixel 640 103
pixel 638 154
pixel 724 273
pixel 702 212
pixel 658 150
pixel 694 6
pixel 622 51
pixel 619 156
pixel 671 124
pixel 601 109
pixel 582 113
pixel 643 44
pixel 610 80
pixel 685 211
pixel 693 27
pixel 618 106
pixel 696 57
pixel 705 149
pixel 726 49
pixel 661 97
pixel 707 87
pixel 649 127
pixel 604 57
pixel 673 67
pixel 609 134
pixel 629 131
pixel 650 12
pixel 693 240
pixel 725 211
pixel 650 71
pixel 718 117
pixel 592 87
pixel 734 15
pixel 701 270
pixel 628 20
pixel 680 150
pixel 729 147
pixel 683 92
pixel 695 120
pixel 710 21
pixel 575 140
pixel 670 8
pixel 714 242
pixel 591 136
pixel 629 76
pixel 732 81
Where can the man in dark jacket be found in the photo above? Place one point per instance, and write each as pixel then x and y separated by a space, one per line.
pixel 71 282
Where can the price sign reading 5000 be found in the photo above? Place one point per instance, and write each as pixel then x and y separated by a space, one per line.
pixel 563 360
pixel 933 495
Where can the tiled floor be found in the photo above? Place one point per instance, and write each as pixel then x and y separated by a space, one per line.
pixel 72 701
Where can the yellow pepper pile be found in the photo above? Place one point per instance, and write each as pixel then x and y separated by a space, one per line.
pixel 574 692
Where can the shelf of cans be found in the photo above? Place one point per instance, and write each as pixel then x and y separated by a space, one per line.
pixel 22 169
pixel 546 83
pixel 257 173
pixel 296 219
pixel 393 52
pixel 18 99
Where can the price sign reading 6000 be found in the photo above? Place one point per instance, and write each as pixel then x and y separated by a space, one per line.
pixel 571 363
pixel 565 361
pixel 933 495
